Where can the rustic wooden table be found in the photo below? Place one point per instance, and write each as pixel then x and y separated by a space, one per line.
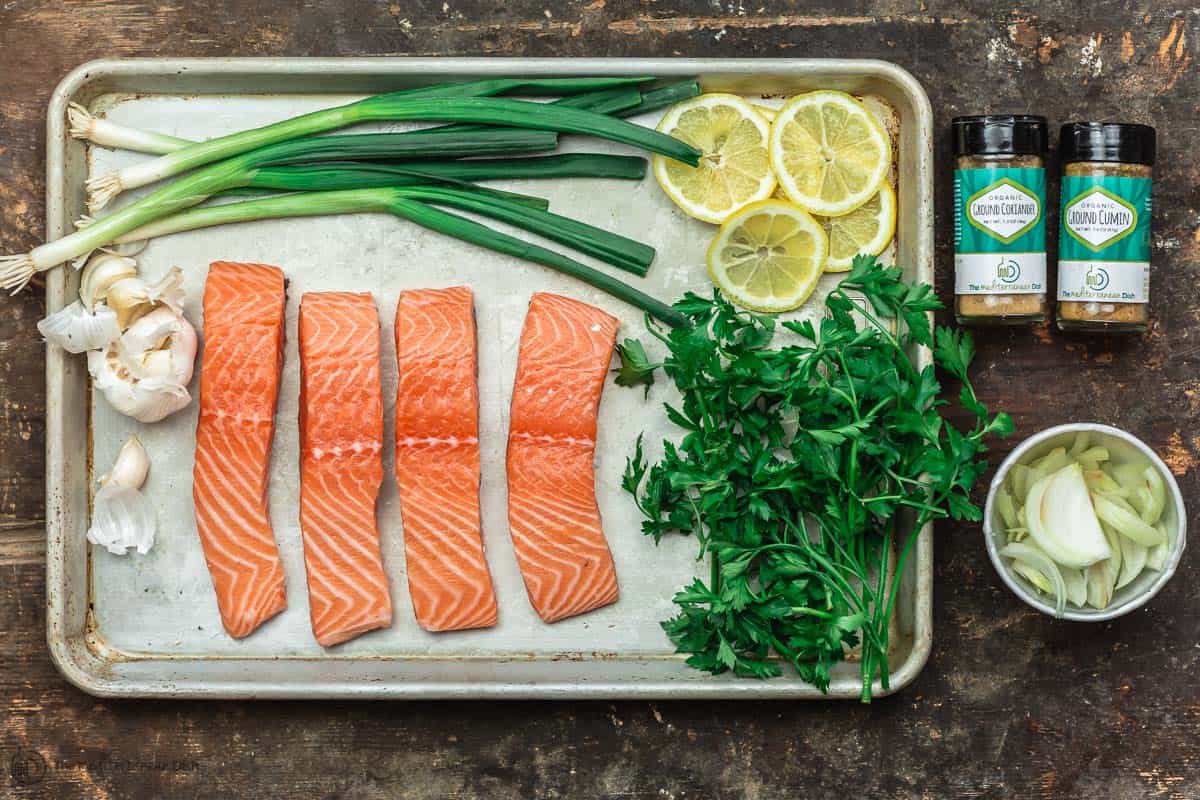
pixel 1011 704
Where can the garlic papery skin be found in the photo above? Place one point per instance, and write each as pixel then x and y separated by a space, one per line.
pixel 133 298
pixel 122 517
pixel 102 271
pixel 131 467
pixel 145 374
pixel 77 328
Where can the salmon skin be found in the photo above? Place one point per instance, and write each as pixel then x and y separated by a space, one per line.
pixel 341 440
pixel 566 347
pixel 239 384
pixel 437 460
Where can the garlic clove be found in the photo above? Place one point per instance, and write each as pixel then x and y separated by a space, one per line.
pixel 102 271
pixel 76 329
pixel 122 518
pixel 129 299
pixel 130 468
pixel 133 298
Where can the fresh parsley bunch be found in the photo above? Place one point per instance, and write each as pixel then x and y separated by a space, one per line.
pixel 807 468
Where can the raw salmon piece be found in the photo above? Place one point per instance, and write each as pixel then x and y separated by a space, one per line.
pixel 566 347
pixel 437 460
pixel 341 438
pixel 239 383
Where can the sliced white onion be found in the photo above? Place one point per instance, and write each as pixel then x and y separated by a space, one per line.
pixel 1062 520
pixel 1076 585
pixel 1042 562
pixel 1156 558
pixel 1099 586
pixel 76 329
pixel 1126 522
pixel 1133 561
pixel 122 519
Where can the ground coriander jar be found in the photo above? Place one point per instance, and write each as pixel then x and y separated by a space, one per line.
pixel 999 219
pixel 1104 235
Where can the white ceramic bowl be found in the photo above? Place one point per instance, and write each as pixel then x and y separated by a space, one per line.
pixel 1123 445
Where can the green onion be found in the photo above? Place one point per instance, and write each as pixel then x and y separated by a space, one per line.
pixel 358 175
pixel 609 247
pixel 469 231
pixel 111 134
pixel 661 97
pixel 15 271
pixel 426 143
pixel 396 106
pixel 400 202
pixel 106 133
pixel 453 103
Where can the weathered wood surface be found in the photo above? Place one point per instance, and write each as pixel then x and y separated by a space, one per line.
pixel 1011 703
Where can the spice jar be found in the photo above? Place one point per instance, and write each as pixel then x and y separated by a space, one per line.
pixel 1104 236
pixel 999 219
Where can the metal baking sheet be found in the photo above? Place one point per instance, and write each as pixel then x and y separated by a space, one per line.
pixel 148 625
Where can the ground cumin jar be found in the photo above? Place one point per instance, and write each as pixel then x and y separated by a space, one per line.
pixel 999 219
pixel 1104 235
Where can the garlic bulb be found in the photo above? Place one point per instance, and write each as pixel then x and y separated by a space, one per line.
pixel 77 327
pixel 145 374
pixel 161 344
pixel 121 515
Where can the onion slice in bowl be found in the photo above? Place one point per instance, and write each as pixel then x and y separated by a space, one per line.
pixel 1063 521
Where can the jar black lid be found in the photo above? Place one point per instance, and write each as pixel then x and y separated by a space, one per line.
pixel 1000 135
pixel 1106 141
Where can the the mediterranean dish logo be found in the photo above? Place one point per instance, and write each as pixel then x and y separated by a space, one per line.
pixel 1005 210
pixel 1008 270
pixel 1098 218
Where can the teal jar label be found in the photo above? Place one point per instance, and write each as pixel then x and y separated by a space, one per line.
pixel 1000 230
pixel 1104 239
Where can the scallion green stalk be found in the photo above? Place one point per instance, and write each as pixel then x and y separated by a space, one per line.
pixel 469 231
pixel 612 248
pixel 103 132
pixel 16 271
pixel 661 97
pixel 398 107
pixel 414 204
pixel 359 175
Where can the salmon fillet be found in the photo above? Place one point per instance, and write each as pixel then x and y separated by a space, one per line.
pixel 437 460
pixel 341 439
pixel 566 347
pixel 239 384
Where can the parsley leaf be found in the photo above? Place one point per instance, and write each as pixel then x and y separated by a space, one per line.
pixel 635 368
pixel 812 454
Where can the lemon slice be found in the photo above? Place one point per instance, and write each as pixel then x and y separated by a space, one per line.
pixel 867 229
pixel 734 170
pixel 768 256
pixel 829 152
